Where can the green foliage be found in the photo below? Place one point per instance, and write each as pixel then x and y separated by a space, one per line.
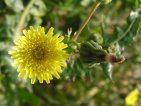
pixel 106 1
pixel 115 28
pixel 125 34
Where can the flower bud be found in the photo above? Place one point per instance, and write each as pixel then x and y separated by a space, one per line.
pixel 91 52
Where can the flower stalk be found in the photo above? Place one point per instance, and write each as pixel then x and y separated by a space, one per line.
pixel 94 8
pixel 22 19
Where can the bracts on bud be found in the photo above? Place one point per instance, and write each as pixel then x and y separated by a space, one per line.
pixel 91 52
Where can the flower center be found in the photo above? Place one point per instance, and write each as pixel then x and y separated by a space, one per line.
pixel 38 53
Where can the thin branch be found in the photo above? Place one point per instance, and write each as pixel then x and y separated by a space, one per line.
pixel 23 17
pixel 94 7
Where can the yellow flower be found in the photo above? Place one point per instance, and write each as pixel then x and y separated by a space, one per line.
pixel 39 55
pixel 132 98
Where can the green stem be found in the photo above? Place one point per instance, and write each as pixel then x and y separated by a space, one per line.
pixel 94 7
pixel 23 17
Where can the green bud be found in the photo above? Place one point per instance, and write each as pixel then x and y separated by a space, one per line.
pixel 91 52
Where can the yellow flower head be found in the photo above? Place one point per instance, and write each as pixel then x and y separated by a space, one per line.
pixel 39 55
pixel 132 98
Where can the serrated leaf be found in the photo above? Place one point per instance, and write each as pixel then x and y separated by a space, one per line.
pixel 125 34
pixel 107 69
pixel 15 5
pixel 39 9
pixel 133 22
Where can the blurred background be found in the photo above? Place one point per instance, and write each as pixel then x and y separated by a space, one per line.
pixel 79 85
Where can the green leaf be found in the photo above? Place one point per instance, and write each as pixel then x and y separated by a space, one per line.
pixel 1 76
pixel 125 34
pixel 27 97
pixel 107 69
pixel 131 1
pixel 15 5
pixel 39 9
pixel 132 28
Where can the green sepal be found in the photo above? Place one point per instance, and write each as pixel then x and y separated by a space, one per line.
pixel 91 52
